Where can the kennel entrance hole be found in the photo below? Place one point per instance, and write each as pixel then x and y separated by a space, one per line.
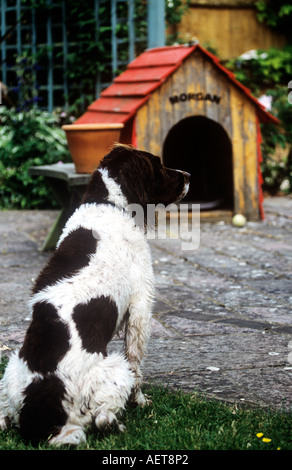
pixel 202 147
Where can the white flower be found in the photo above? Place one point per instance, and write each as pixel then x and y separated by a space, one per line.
pixel 253 54
pixel 266 101
pixel 285 185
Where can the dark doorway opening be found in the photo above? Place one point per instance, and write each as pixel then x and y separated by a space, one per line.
pixel 202 147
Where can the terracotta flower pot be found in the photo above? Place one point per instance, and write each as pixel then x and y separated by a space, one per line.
pixel 88 143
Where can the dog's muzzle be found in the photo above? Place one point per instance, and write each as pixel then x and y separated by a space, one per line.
pixel 187 178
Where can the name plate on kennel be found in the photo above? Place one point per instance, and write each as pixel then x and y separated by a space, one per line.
pixel 201 96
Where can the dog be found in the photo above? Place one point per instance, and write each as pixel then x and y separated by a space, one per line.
pixel 98 281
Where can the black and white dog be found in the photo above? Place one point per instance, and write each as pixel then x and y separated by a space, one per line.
pixel 98 280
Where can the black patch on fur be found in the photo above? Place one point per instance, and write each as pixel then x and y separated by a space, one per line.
pixel 96 322
pixel 46 341
pixel 71 256
pixel 42 413
pixel 96 191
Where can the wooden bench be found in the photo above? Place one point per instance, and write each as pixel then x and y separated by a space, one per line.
pixel 68 188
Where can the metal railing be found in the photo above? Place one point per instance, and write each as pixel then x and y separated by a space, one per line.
pixel 26 31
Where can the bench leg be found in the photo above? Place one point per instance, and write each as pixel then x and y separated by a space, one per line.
pixel 55 231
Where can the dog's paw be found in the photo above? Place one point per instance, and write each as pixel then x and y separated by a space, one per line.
pixel 108 420
pixel 69 434
pixel 105 420
pixel 146 401
pixel 141 399
pixel 121 427
pixel 4 423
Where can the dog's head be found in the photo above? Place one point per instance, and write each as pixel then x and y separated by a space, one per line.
pixel 142 177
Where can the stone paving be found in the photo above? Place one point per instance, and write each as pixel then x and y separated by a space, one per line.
pixel 222 317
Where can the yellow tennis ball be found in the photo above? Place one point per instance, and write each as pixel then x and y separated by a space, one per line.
pixel 239 220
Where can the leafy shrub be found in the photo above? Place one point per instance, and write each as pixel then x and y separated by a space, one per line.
pixel 277 172
pixel 28 139
pixel 267 73
pixel 259 69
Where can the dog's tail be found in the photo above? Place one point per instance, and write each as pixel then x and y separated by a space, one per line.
pixel 42 414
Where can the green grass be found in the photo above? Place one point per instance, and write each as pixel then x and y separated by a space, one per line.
pixel 179 421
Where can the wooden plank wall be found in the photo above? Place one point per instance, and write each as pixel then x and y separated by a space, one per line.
pixel 244 140
pixel 230 27
pixel 196 79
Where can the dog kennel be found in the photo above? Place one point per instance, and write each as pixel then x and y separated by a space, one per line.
pixel 179 102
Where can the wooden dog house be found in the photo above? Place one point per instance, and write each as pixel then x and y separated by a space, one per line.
pixel 179 102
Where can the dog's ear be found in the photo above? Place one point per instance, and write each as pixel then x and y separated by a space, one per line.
pixel 136 182
pixel 132 171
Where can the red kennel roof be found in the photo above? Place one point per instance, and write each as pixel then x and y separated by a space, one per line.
pixel 130 90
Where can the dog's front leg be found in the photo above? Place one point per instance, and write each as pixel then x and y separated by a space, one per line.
pixel 136 338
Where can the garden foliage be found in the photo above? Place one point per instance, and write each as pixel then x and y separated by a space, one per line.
pixel 28 138
pixel 267 74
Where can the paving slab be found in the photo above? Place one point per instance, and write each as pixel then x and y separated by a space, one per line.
pixel 222 317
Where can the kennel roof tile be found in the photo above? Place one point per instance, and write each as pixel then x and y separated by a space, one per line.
pixel 132 88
